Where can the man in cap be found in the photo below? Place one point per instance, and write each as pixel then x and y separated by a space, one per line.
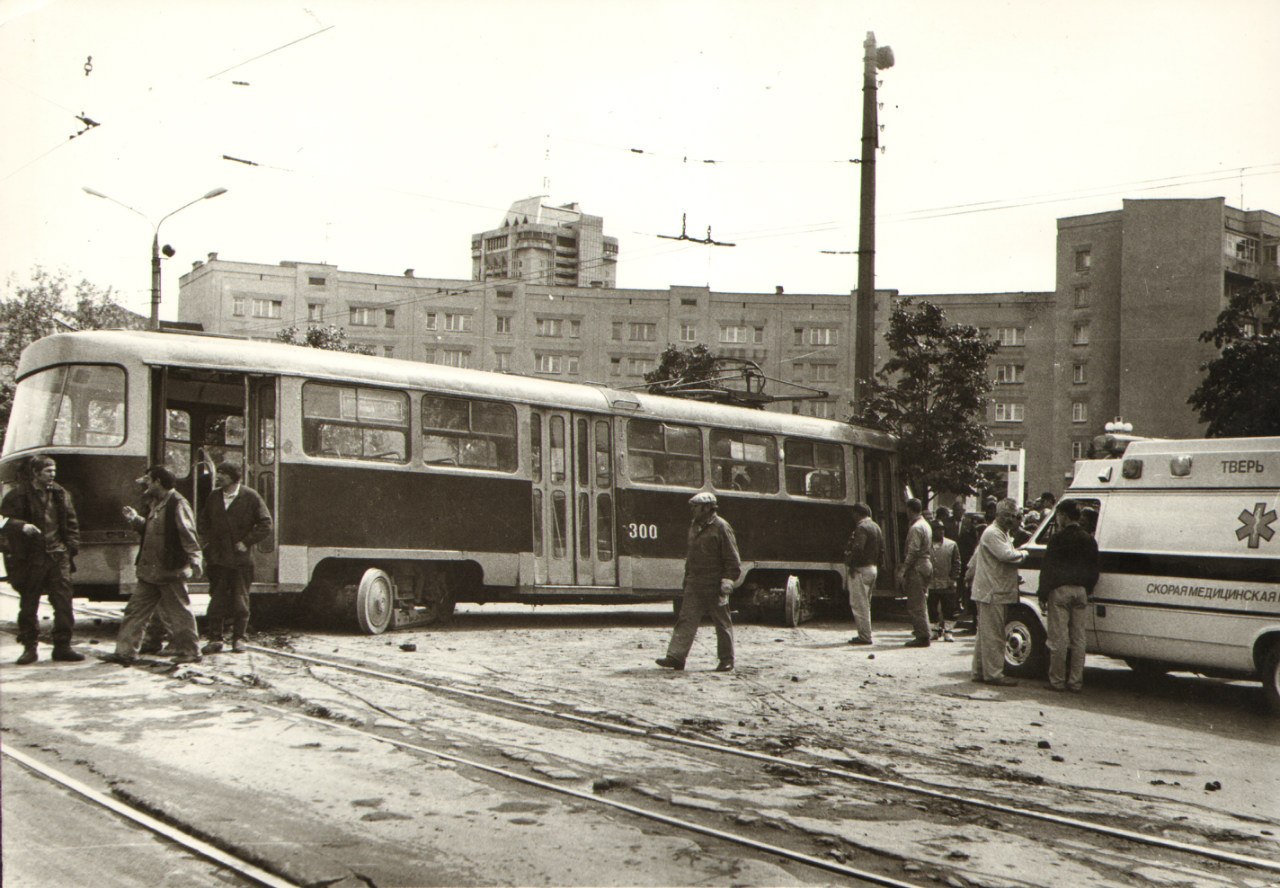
pixel 711 567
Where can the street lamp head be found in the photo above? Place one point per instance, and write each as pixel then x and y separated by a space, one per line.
pixel 214 193
pixel 87 190
pixel 884 57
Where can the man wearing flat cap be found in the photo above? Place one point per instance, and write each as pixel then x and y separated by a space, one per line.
pixel 711 567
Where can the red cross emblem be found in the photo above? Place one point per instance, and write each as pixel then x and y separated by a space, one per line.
pixel 1256 525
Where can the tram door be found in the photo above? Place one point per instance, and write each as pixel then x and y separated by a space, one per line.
pixel 573 499
pixel 205 417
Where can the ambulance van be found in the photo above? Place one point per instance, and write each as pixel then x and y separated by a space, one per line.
pixel 1189 545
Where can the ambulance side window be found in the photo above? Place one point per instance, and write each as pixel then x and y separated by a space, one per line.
pixel 1088 520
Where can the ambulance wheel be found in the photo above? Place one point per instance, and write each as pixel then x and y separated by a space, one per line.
pixel 1271 678
pixel 1026 644
pixel 373 605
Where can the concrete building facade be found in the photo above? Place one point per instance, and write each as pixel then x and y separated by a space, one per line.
pixel 561 246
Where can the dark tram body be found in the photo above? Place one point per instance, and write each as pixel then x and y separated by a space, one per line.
pixel 400 488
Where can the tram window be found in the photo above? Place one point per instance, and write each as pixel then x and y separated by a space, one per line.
pixel 555 429
pixel 583 455
pixel 742 461
pixel 471 434
pixel 559 524
pixel 177 442
pixel 535 445
pixel 354 423
pixel 604 455
pixel 584 524
pixel 75 404
pixel 662 453
pixel 814 469
pixel 604 527
pixel 537 522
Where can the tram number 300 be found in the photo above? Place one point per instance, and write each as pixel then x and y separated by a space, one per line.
pixel 642 531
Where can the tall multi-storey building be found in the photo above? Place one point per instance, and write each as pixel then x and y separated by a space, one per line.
pixel 1117 337
pixel 562 246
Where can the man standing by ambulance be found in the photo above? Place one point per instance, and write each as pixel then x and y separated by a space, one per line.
pixel 993 570
pixel 1069 575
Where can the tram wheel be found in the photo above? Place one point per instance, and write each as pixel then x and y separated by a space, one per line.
pixel 793 610
pixel 373 604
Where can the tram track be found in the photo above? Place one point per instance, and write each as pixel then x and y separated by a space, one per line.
pixel 623 726
pixel 818 770
pixel 220 856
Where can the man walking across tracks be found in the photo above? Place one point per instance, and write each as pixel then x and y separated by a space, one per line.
pixel 993 570
pixel 1069 575
pixel 232 521
pixel 916 569
pixel 862 555
pixel 711 567
pixel 43 536
pixel 168 556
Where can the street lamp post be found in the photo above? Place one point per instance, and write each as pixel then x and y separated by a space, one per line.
pixel 154 323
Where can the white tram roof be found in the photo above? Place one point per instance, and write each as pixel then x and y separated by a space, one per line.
pixel 244 355
pixel 1195 462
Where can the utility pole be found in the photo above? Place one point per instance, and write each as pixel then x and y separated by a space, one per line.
pixel 865 307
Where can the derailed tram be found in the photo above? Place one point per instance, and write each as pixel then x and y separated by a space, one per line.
pixel 400 488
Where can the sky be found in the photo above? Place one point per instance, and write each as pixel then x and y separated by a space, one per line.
pixel 385 134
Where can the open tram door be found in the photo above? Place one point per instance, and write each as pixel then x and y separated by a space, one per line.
pixel 203 417
pixel 573 474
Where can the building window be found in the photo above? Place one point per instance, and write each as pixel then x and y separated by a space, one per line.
pixel 1009 374
pixel 237 306
pixel 615 366
pixel 641 332
pixel 1006 412
pixel 757 334
pixel 316 281
pixel 429 321
pixel 457 323
pixel 1080 334
pixel 823 372
pixel 729 333
pixel 1079 411
pixel 1007 444
pixel 1011 335
pixel 1084 260
pixel 266 308
pixel 571 364
pixel 688 333
pixel 1247 249
pixel 816 336
pixel 550 327
pixel 315 311
pixel 429 355
pixel 388 351
pixel 362 317
pixel 1077 374
pixel 616 331
pixel 820 409
pixel 502 325
pixel 549 363
pixel 575 329
pixel 1079 449
pixel 389 317
pixel 502 361
pixel 1082 297
pixel 496 243
pixel 505 293
pixel 682 301
pixel 639 366
pixel 455 357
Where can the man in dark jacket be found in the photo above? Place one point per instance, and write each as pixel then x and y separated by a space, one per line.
pixel 862 555
pixel 711 567
pixel 43 537
pixel 232 520
pixel 168 556
pixel 1070 572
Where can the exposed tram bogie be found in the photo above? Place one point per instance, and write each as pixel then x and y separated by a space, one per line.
pixel 400 489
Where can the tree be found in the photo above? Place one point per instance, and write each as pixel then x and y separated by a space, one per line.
pixel 679 367
pixel 1240 395
pixel 48 304
pixel 932 395
pixel 330 338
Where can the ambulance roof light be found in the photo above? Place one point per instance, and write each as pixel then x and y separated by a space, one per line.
pixel 1180 466
pixel 1131 469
